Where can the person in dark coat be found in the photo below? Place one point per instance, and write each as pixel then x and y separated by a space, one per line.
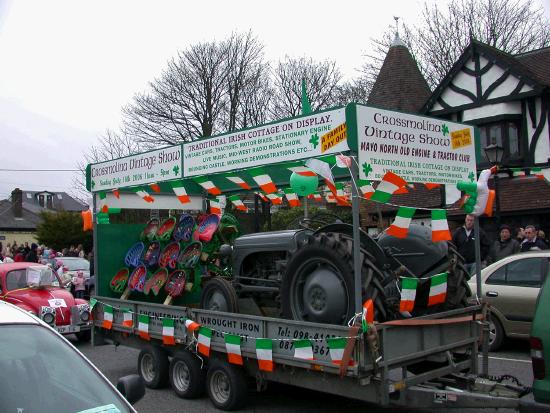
pixel 504 246
pixel 464 240
pixel 32 255
pixel 531 241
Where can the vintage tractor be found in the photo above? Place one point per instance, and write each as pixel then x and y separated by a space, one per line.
pixel 307 273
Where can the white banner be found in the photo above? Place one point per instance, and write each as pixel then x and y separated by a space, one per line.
pixel 417 148
pixel 305 137
pixel 146 168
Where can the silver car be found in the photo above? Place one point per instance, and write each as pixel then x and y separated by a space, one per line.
pixel 43 372
pixel 511 286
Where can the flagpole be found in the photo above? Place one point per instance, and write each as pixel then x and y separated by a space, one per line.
pixel 355 203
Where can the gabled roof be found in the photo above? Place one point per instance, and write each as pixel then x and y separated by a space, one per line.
pixel 530 67
pixel 28 221
pixel 399 85
pixel 61 201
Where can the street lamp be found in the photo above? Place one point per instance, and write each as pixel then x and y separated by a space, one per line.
pixel 494 153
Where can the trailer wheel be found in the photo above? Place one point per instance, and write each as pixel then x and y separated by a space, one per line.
pixel 153 367
pixel 318 283
pixel 186 375
pixel 226 385
pixel 219 295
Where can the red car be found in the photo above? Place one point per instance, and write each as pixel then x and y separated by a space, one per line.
pixel 37 289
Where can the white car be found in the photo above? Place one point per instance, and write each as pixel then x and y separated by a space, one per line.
pixel 511 286
pixel 43 372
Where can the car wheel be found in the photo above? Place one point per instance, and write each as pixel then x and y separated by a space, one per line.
pixel 496 333
pixel 153 367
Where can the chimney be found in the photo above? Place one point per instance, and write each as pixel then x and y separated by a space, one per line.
pixel 17 203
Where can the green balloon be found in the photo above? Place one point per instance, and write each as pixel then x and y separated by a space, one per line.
pixel 303 185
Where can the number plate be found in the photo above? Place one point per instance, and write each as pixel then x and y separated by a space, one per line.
pixel 68 329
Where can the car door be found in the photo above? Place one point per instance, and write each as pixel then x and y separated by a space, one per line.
pixel 512 291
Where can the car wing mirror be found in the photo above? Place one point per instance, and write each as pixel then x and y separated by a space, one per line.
pixel 132 387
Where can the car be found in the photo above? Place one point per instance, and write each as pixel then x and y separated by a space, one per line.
pixel 37 289
pixel 511 287
pixel 44 372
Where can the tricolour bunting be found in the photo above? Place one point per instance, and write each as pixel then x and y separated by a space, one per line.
pixel 144 195
pixel 215 207
pixel 264 352
pixel 263 180
pixel 107 317
pixel 365 188
pixel 239 181
pixel 408 293
pixel 400 226
pixel 233 347
pixel 116 193
pixel 179 190
pixel 292 198
pixel 387 186
pixel 191 325
pixel 276 199
pixel 203 345
pixel 368 314
pixel 155 187
pixel 262 196
pixel 127 319
pixel 143 327
pixel 302 170
pixel 209 186
pixel 238 203
pixel 336 347
pixel 315 196
pixel 438 289
pixel 168 337
pixel 440 226
pixel 103 207
pixel 303 350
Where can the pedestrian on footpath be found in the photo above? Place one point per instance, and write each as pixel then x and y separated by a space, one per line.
pixel 531 241
pixel 464 240
pixel 503 246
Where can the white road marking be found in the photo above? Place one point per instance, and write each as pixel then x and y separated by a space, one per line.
pixel 506 359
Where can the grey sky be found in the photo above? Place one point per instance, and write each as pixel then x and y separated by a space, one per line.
pixel 67 67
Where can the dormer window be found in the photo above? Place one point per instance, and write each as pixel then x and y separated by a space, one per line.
pixel 45 200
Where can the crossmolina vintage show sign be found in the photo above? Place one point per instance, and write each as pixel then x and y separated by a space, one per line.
pixel 417 148
pixel 304 137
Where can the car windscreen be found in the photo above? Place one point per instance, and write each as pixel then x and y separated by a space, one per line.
pixel 77 264
pixel 42 373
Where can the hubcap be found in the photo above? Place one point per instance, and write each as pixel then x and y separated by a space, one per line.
pixel 319 293
pixel 217 302
pixel 492 332
pixel 181 376
pixel 147 368
pixel 219 386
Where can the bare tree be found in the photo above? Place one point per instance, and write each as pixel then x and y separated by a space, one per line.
pixel 321 78
pixel 436 43
pixel 356 90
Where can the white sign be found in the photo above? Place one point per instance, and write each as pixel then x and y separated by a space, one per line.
pixel 57 303
pixel 417 148
pixel 305 137
pixel 146 168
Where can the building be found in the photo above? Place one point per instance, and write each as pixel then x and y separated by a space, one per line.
pixel 20 215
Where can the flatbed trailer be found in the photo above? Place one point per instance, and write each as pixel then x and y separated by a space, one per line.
pixel 442 349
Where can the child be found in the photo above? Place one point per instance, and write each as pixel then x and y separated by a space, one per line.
pixel 79 286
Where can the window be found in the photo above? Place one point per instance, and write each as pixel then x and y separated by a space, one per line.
pixel 523 272
pixel 505 134
pixel 41 200
pixel 16 279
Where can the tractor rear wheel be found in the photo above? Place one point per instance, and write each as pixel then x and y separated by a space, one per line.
pixel 318 284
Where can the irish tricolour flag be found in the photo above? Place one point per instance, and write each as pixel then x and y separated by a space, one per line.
pixel 107 317
pixel 203 346
pixel 209 186
pixel 143 326
pixel 144 195
pixel 389 184
pixel 239 181
pixel 276 199
pixel 408 293
pixel 292 198
pixel 236 201
pixel 336 347
pixel 400 226
pixel 191 325
pixel 127 320
pixel 303 350
pixel 438 289
pixel 440 226
pixel 302 170
pixel 264 352
pixel 181 193
pixel 368 314
pixel 103 207
pixel 365 188
pixel 263 180
pixel 215 207
pixel 233 347
pixel 168 337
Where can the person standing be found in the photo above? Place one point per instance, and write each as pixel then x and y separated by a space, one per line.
pixel 79 284
pixel 531 241
pixel 504 246
pixel 32 255
pixel 464 239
